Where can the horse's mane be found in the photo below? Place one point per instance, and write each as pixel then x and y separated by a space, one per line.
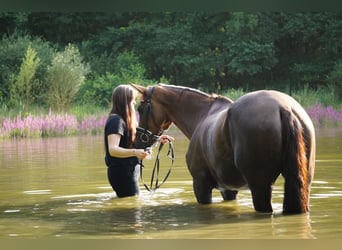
pixel 183 89
pixel 211 96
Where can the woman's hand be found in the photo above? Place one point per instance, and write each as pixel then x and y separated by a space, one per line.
pixel 141 153
pixel 165 138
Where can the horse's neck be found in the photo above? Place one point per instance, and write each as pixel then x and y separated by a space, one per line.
pixel 188 109
pixel 187 117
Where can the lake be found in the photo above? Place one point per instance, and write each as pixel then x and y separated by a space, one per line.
pixel 58 188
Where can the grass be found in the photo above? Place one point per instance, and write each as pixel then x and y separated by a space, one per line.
pixel 306 96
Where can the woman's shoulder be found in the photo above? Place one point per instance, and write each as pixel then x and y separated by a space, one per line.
pixel 116 119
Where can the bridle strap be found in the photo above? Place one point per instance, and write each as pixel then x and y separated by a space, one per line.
pixel 149 106
pixel 149 110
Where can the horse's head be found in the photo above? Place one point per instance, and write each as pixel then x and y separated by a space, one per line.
pixel 153 118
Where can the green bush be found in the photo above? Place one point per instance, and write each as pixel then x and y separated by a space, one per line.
pixel 65 77
pixel 24 84
pixel 129 68
pixel 12 51
pixel 98 91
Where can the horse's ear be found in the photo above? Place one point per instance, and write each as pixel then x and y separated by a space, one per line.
pixel 140 88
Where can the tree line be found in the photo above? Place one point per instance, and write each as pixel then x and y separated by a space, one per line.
pixel 211 51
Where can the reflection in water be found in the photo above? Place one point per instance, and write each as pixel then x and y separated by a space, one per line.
pixel 153 216
pixel 300 227
pixel 58 188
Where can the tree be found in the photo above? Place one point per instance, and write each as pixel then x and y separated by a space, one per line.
pixel 335 78
pixel 98 90
pixel 23 85
pixel 64 77
pixel 212 51
pixel 308 46
pixel 12 50
pixel 63 28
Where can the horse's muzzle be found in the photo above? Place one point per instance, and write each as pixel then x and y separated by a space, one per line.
pixel 144 138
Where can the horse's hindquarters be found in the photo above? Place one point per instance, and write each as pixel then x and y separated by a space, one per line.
pixel 272 134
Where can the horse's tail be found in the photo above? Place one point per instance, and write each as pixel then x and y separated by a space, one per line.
pixel 295 165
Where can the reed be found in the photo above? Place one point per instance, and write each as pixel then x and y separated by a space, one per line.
pixel 323 116
pixel 50 125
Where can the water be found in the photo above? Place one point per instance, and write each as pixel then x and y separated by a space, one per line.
pixel 57 188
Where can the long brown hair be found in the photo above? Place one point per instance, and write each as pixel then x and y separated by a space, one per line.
pixel 121 105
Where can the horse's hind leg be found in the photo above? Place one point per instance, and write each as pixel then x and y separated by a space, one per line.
pixel 262 198
pixel 203 189
pixel 229 195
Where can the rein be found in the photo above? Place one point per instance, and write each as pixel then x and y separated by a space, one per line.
pixel 155 184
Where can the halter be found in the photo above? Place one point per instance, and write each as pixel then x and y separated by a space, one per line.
pixel 149 112
pixel 147 136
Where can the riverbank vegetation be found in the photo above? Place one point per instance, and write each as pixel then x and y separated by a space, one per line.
pixel 87 120
pixel 63 67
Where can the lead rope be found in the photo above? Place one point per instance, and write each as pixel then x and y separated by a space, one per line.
pixel 156 168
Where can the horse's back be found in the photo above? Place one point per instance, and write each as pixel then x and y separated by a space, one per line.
pixel 262 109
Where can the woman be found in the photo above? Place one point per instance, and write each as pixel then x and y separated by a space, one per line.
pixel 122 159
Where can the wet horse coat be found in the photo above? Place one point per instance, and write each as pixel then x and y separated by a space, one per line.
pixel 243 144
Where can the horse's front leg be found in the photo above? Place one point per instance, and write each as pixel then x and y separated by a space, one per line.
pixel 203 187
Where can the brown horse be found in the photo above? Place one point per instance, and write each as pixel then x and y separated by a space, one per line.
pixel 243 144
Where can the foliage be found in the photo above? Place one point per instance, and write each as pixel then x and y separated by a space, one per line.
pixel 212 51
pixel 68 27
pixel 24 85
pixel 234 94
pixel 128 67
pixel 64 77
pixel 215 51
pixel 324 95
pixel 86 110
pixel 308 47
pixel 306 96
pixel 335 78
pixel 97 91
pixel 12 21
pixel 12 50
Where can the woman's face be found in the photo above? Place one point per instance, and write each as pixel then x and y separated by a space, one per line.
pixel 133 103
